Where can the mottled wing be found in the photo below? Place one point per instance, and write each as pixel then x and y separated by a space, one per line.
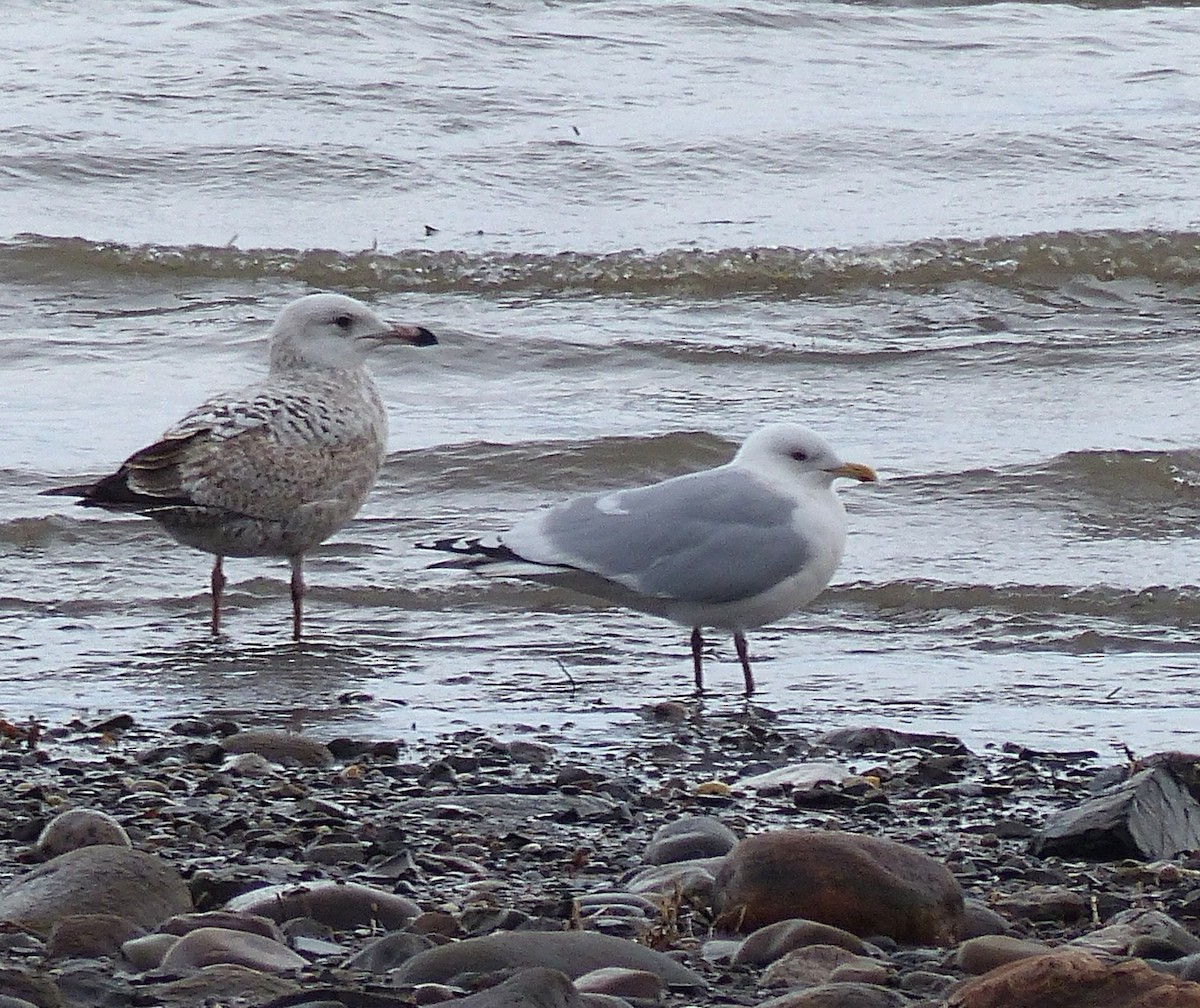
pixel 711 538
pixel 263 456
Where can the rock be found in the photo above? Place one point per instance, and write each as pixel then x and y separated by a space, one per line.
pixel 689 880
pixel 287 748
pixel 181 924
pixel 1075 979
pixel 146 953
pixel 219 984
pixel 978 955
pixel 768 943
pixel 1125 928
pixel 77 828
pixel 338 904
pixel 208 946
pixel 864 885
pixel 572 952
pixel 980 919
pixel 641 985
pixel 797 775
pixel 1044 903
pixel 1152 816
pixel 809 966
pixel 89 936
pixel 859 740
pixel 40 991
pixel 347 852
pixel 249 764
pixel 388 952
pixel 840 995
pixel 98 879
pixel 530 988
pixel 688 839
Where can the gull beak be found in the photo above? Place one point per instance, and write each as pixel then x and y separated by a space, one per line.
pixel 410 334
pixel 853 470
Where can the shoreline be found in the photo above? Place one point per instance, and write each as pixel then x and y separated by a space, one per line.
pixel 488 835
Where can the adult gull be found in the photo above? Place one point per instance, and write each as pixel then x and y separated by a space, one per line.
pixel 734 547
pixel 276 468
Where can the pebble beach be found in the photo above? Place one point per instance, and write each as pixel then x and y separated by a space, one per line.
pixel 700 860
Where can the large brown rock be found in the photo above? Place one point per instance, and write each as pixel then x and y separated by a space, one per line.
pixel 864 885
pixel 100 879
pixel 1073 979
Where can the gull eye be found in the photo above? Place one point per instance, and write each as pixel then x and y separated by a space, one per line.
pixel 344 322
pixel 800 455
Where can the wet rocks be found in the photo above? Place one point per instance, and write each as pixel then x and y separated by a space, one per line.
pixel 338 904
pixel 76 828
pixel 571 952
pixel 105 879
pixel 1154 814
pixel 865 885
pixel 1075 979
pixel 287 748
pixel 775 940
pixel 688 839
pixel 207 946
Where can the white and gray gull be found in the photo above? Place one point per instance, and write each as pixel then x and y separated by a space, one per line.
pixel 734 547
pixel 278 467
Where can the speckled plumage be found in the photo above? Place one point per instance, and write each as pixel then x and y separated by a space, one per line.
pixel 276 468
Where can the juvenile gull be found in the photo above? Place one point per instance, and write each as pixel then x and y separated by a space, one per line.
pixel 734 547
pixel 275 468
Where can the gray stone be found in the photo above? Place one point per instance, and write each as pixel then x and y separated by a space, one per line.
pixel 337 904
pixel 208 946
pixel 572 952
pixel 181 924
pixel 88 936
pixel 99 879
pixel 641 985
pixel 1152 816
pixel 978 955
pixel 279 746
pixel 769 943
pixel 688 839
pixel 146 953
pixel 40 991
pixel 388 952
pixel 1123 929
pixel 222 983
pixel 980 919
pixel 692 880
pixel 840 995
pixel 77 828
pixel 809 966
pixel 531 988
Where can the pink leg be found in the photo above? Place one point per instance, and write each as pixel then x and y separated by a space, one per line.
pixel 697 658
pixel 297 595
pixel 739 642
pixel 218 584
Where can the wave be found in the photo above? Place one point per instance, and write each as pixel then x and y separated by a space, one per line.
pixel 1047 258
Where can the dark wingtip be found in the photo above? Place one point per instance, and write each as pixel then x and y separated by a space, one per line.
pixel 424 337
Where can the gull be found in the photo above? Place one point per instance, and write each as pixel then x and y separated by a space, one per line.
pixel 275 468
pixel 734 547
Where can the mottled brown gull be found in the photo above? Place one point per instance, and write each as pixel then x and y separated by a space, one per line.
pixel 734 547
pixel 278 467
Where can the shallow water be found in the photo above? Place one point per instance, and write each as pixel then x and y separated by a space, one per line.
pixel 962 242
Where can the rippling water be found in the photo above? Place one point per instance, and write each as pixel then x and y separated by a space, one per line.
pixel 963 242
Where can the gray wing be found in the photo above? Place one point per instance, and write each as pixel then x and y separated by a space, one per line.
pixel 710 537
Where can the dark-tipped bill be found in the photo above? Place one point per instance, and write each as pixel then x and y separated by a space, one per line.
pixel 854 470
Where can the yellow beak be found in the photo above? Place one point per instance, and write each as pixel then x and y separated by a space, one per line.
pixel 853 470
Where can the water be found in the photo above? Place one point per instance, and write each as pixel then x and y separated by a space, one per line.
pixel 961 241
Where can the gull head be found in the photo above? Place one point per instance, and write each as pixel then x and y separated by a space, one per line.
pixel 334 331
pixel 795 452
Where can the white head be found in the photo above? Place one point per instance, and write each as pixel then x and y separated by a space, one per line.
pixel 332 331
pixel 795 452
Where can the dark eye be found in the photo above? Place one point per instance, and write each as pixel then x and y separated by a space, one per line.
pixel 344 322
pixel 800 455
